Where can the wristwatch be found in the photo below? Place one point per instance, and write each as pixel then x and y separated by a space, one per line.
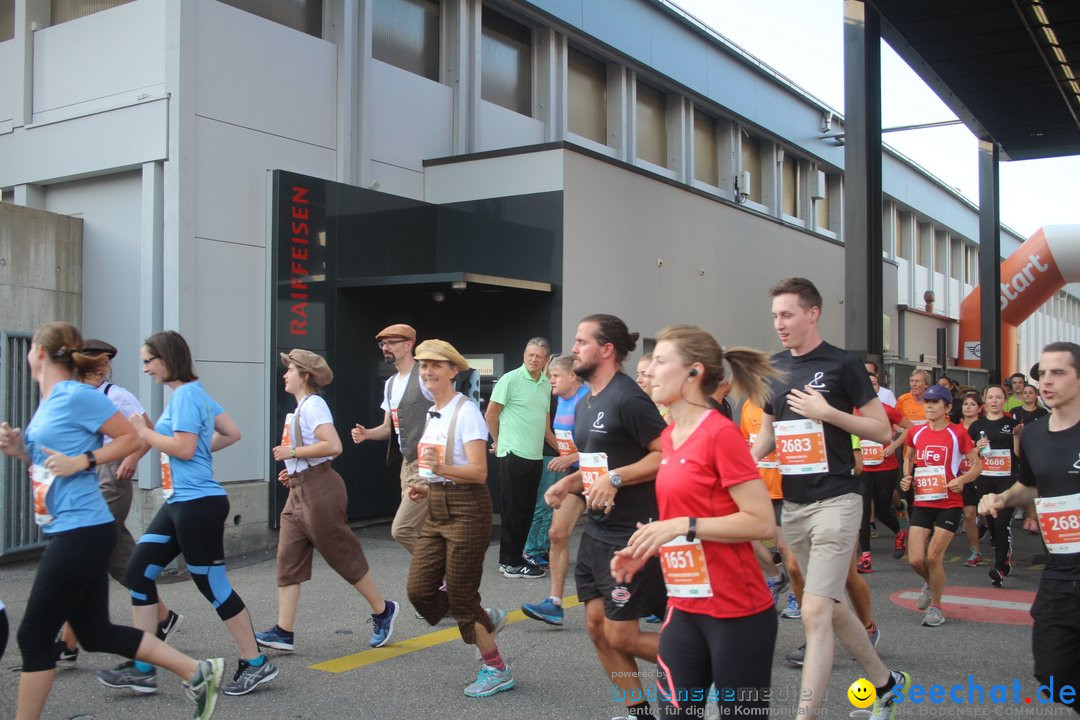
pixel 615 479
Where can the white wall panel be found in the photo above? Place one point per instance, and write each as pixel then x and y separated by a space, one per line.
pixel 903 275
pixel 239 387
pixel 411 117
pixel 230 300
pixel 99 55
pixel 9 70
pixel 258 74
pixel 495 177
pixel 231 167
pixel 501 128
pixel 397 180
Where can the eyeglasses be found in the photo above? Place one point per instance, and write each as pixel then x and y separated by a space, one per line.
pixel 147 361
pixel 384 343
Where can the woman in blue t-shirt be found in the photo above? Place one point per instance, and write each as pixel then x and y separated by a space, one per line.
pixel 62 446
pixel 192 520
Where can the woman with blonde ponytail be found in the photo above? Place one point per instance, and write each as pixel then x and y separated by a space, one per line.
pixel 720 627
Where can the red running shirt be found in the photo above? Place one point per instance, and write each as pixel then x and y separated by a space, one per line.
pixel 895 418
pixel 944 448
pixel 693 481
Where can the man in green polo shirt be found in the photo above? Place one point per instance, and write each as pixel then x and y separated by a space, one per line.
pixel 517 416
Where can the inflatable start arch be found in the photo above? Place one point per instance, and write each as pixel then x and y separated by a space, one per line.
pixel 1029 277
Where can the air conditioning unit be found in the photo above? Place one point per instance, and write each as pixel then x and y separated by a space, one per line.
pixel 817 185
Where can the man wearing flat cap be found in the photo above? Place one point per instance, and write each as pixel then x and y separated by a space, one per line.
pixel 405 405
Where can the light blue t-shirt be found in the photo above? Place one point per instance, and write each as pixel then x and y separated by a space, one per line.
pixel 68 422
pixel 192 410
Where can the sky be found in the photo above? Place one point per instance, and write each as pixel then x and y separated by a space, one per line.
pixel 807 48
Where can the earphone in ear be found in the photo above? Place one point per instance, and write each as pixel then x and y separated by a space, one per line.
pixel 693 372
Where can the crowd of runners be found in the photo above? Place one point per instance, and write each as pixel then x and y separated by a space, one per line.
pixel 707 526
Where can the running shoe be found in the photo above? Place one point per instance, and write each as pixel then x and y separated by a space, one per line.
pixel 276 638
pixel 203 688
pixel 924 598
pixel 900 545
pixel 797 656
pixel 873 531
pixel 544 611
pixel 873 633
pixel 498 621
pixel 65 657
pixel 126 675
pixel 539 560
pixel 885 704
pixel 653 619
pixel 248 677
pixel 974 559
pixel 791 610
pixel 778 586
pixel 168 626
pixel 490 681
pixel 383 626
pixel 864 565
pixel 525 570
pixel 997 576
pixel 933 617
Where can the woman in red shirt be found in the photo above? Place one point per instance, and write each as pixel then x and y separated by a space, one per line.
pixel 720 626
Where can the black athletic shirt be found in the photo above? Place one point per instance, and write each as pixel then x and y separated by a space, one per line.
pixel 841 377
pixel 1000 434
pixel 1050 462
pixel 1021 415
pixel 620 421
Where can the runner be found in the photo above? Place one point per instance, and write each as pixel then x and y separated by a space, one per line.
pixel 569 389
pixel 811 408
pixel 910 404
pixel 994 438
pixel 932 456
pixel 1029 408
pixel 1017 382
pixel 314 516
pixel 720 627
pixel 1048 468
pixel 62 446
pixel 971 410
pixel 880 471
pixel 617 430
pixel 885 395
pixel 457 529
pixel 192 520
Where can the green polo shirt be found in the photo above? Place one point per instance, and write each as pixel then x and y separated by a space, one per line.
pixel 526 403
pixel 1012 403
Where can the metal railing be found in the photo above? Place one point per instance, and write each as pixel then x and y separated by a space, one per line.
pixel 19 397
pixel 898 372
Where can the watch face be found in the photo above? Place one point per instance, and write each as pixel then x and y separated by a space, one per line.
pixel 616 479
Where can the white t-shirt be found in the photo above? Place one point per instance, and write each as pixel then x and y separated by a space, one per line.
pixel 313 413
pixel 886 396
pixel 396 392
pixel 470 426
pixel 126 404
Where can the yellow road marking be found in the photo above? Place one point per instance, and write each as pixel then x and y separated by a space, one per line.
pixel 411 645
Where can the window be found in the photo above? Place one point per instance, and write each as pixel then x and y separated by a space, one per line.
pixel 941 250
pixel 821 208
pixel 302 15
pixel 506 62
pixel 405 33
pixel 924 239
pixel 587 96
pixel 651 124
pixel 7 20
pixel 706 167
pixel 904 234
pixel 751 163
pixel 956 270
pixel 791 185
pixel 972 265
pixel 64 10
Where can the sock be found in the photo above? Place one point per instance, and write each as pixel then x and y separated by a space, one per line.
pixel 894 677
pixel 384 613
pixel 871 627
pixel 492 658
pixel 557 601
pixel 641 710
pixel 282 630
pixel 256 662
pixel 143 667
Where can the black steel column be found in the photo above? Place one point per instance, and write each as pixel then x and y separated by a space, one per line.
pixel 863 291
pixel 990 259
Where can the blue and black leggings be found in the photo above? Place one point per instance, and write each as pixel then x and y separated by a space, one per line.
pixel 194 528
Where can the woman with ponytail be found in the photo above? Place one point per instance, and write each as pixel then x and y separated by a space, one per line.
pixel 62 446
pixel 720 626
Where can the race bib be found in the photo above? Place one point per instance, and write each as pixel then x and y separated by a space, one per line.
pixel 1059 520
pixel 423 468
pixel 800 447
pixel 997 463
pixel 593 466
pixel 872 453
pixel 686 573
pixel 286 432
pixel 394 420
pixel 41 480
pixel 965 465
pixel 564 442
pixel 166 477
pixel 769 461
pixel 930 483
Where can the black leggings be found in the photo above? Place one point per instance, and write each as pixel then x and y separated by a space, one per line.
pixel 1000 526
pixel 72 584
pixel 878 488
pixel 734 654
pixel 3 631
pixel 195 528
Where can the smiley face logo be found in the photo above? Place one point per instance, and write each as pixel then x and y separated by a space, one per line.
pixel 862 693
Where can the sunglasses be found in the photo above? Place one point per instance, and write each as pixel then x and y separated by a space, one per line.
pixel 147 361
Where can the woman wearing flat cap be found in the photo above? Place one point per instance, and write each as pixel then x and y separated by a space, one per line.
pixel 457 530
pixel 314 517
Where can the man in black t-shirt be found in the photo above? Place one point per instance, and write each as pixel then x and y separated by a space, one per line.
pixel 809 421
pixel 617 432
pixel 1050 469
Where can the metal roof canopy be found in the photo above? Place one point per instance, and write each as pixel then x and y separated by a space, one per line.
pixel 1009 69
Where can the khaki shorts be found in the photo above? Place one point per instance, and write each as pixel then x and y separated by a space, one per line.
pixel 822 535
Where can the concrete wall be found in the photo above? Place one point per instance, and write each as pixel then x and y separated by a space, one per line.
pixel 41 257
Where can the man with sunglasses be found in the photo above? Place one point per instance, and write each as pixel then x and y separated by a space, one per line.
pixel 405 405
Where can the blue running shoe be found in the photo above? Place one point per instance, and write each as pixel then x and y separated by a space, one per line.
pixel 791 610
pixel 276 638
pixel 383 627
pixel 654 619
pixel 490 681
pixel 545 611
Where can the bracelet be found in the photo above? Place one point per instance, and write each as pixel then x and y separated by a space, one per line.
pixel 91 459
pixel 691 532
pixel 294 452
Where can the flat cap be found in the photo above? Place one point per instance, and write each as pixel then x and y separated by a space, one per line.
pixel 311 363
